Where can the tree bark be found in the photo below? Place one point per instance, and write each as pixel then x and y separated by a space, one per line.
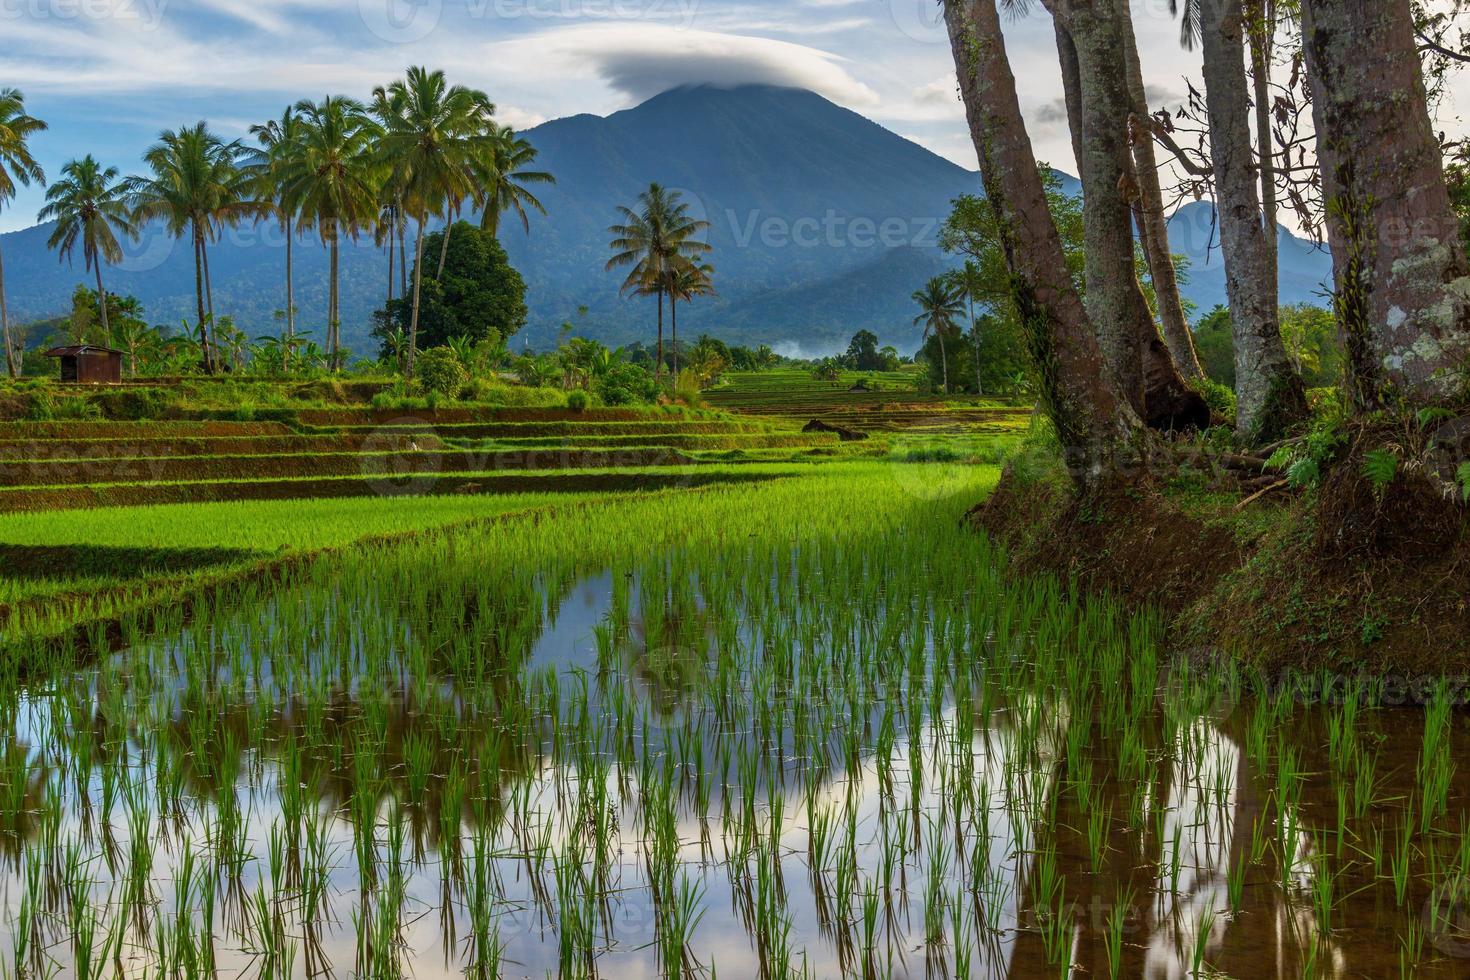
pixel 1094 421
pixel 389 304
pixel 11 367
pixel 674 332
pixel 1268 391
pixel 199 299
pixel 1261 37
pixel 290 300
pixel 943 358
pixel 443 251
pixel 102 300
pixel 1115 302
pixel 1402 280
pixel 975 338
pixel 418 282
pixel 658 369
pixel 333 315
pixel 1153 227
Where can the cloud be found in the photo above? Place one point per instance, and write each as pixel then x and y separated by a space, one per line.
pixel 642 61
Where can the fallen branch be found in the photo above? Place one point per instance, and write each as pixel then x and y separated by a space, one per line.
pixel 1259 493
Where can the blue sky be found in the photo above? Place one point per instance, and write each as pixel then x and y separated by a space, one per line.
pixel 109 74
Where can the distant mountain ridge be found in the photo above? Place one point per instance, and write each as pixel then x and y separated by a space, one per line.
pixel 823 223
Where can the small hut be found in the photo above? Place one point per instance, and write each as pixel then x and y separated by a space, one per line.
pixel 88 364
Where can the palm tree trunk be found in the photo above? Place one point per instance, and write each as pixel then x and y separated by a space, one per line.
pixel 418 281
pixel 1094 422
pixel 10 364
pixel 333 316
pixel 1402 275
pixel 443 249
pixel 208 285
pixel 199 300
pixel 1268 391
pixel 290 300
pixel 943 358
pixel 402 225
pixel 658 368
pixel 102 300
pixel 389 304
pixel 674 332
pixel 975 336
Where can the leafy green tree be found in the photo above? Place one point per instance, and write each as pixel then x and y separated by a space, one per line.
pixel 90 208
pixel 479 297
pixel 1214 343
pixel 17 166
pixel 441 372
pixel 862 352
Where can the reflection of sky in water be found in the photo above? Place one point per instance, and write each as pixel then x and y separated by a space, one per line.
pixel 1205 821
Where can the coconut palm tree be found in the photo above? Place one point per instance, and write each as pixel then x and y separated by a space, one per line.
pixel 333 183
pixel 499 172
pixel 89 206
pixel 939 306
pixel 686 281
pixel 280 143
pixel 653 241
pixel 17 166
pixel 196 187
pixel 428 139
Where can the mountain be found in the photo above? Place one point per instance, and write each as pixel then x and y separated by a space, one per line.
pixel 823 223
pixel 1305 267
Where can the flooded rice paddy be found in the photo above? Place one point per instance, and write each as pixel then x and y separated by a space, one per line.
pixel 804 729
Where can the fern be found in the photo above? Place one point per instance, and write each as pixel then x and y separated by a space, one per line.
pixel 1380 466
pixel 1428 416
pixel 1303 473
pixel 1462 477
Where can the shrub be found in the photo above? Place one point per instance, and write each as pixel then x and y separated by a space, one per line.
pixel 625 384
pixel 134 404
pixel 1219 397
pixel 578 401
pixel 441 373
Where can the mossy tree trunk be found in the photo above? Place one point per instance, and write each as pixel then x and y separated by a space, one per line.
pixel 1402 280
pixel 1268 391
pixel 1093 64
pixel 1094 420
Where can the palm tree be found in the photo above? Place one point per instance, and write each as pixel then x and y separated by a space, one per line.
pixel 89 205
pixel 499 171
pixel 280 143
pixel 969 282
pixel 332 181
pixel 17 166
pixel 428 139
pixel 939 305
pixel 687 281
pixel 196 187
pixel 654 241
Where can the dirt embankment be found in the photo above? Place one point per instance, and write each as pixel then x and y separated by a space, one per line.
pixel 1346 577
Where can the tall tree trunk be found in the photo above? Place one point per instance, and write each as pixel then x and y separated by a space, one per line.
pixel 290 295
pixel 102 300
pixel 943 358
pixel 1268 391
pixel 418 282
pixel 975 337
pixel 443 249
pixel 1402 278
pixel 1153 227
pixel 334 322
pixel 402 224
pixel 1261 35
pixel 490 218
pixel 11 367
pixel 1115 302
pixel 659 367
pixel 199 299
pixel 389 304
pixel 674 332
pixel 1094 421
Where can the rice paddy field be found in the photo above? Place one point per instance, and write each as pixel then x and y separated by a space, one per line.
pixel 765 709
